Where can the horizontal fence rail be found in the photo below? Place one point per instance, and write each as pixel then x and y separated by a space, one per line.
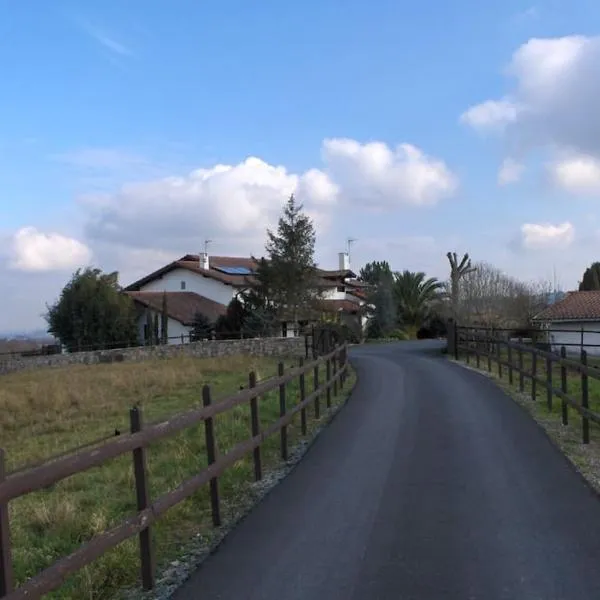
pixel 21 482
pixel 547 370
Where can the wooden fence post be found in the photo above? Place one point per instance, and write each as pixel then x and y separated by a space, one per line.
pixel 143 501
pixel 456 340
pixel 282 411
pixel 478 350
pixel 534 374
pixel 563 387
pixel 549 383
pixel 210 458
pixel 255 425
pixel 510 362
pixel 328 373
pixel 316 387
pixel 342 356
pixel 335 383
pixel 499 357
pixel 468 346
pixel 585 403
pixel 302 397
pixel 489 350
pixel 6 568
pixel 521 373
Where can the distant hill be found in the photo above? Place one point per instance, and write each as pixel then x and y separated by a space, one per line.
pixel 15 343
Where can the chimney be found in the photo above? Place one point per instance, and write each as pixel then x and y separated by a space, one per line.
pixel 204 262
pixel 344 261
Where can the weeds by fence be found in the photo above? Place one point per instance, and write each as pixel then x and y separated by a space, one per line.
pixel 137 441
pixel 558 375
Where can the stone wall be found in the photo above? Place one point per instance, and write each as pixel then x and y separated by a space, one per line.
pixel 257 346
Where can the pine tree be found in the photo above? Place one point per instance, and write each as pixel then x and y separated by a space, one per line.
pixel 591 278
pixel 289 274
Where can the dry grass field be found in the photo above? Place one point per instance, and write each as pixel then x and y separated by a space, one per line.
pixel 46 412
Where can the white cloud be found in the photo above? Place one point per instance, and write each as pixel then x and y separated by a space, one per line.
pixel 32 250
pixel 227 202
pixel 374 175
pixel 510 172
pixel 542 236
pixel 552 104
pixel 491 114
pixel 577 174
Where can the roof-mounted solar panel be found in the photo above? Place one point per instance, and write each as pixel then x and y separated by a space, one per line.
pixel 234 270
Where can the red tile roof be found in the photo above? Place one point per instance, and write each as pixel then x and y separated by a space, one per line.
pixel 181 306
pixel 339 306
pixel 576 306
pixel 191 262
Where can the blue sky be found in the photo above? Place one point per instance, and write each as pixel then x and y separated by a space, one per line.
pixel 105 103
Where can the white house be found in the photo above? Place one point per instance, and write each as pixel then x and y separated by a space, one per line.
pixel 207 284
pixel 573 322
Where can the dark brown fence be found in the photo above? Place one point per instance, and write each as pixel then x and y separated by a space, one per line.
pixel 546 370
pixel 150 510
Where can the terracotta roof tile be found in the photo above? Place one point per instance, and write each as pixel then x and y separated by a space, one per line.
pixel 576 306
pixel 181 306
pixel 191 262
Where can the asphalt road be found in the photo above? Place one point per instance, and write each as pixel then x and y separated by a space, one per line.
pixel 430 484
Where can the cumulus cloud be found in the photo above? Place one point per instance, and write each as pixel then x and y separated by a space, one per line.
pixel 227 202
pixel 510 172
pixel 578 174
pixel 552 103
pixel 491 114
pixel 32 250
pixel 373 174
pixel 543 236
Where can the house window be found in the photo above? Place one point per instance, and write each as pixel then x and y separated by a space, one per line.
pixel 183 285
pixel 341 288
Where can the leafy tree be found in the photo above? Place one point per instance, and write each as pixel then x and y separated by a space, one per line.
pixel 229 325
pixel 93 313
pixel 373 272
pixel 458 270
pixel 414 295
pixel 383 319
pixel 202 328
pixel 287 276
pixel 591 278
pixel 259 318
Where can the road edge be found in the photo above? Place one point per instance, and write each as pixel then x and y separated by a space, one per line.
pixel 585 470
pixel 200 549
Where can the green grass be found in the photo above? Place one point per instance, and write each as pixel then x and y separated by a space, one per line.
pixel 49 411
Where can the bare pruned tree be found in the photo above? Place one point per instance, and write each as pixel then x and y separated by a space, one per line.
pixel 458 270
pixel 490 298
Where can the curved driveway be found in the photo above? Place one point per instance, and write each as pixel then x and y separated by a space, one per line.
pixel 431 484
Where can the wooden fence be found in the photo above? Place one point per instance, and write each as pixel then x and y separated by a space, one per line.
pixel 479 344
pixel 150 510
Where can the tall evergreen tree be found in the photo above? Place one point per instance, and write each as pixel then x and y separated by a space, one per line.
pixel 591 278
pixel 93 313
pixel 373 272
pixel 288 274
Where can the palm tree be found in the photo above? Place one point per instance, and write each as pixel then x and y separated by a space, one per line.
pixel 457 272
pixel 415 293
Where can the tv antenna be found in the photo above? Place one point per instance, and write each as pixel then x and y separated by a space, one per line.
pixel 206 243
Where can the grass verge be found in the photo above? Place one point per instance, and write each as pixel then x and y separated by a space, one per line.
pixel 47 412
pixel 568 438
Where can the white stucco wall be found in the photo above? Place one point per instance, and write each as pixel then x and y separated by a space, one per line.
pixel 175 330
pixel 562 334
pixel 194 282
